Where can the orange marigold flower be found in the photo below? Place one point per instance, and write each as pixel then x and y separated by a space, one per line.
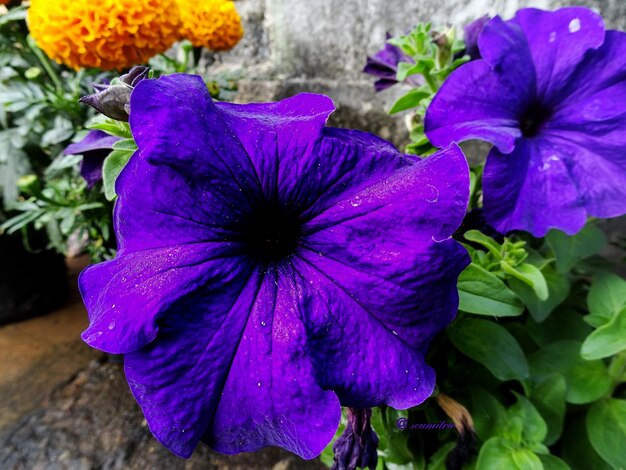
pixel 214 24
pixel 108 34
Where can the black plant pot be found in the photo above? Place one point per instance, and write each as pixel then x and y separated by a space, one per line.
pixel 31 283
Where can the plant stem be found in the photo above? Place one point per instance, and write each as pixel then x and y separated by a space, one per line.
pixel 45 63
pixel 431 81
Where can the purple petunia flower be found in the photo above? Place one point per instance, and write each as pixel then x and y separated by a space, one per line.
pixel 94 148
pixel 384 65
pixel 270 268
pixel 550 94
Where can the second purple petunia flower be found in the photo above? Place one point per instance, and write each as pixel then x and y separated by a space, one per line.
pixel 271 268
pixel 550 94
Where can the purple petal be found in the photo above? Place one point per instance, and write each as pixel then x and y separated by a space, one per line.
pixel 531 189
pixel 91 166
pixel 285 142
pixel 472 32
pixel 177 112
pixel 361 257
pixel 558 41
pixel 94 140
pixel 271 396
pixel 125 297
pixel 95 147
pixel 476 103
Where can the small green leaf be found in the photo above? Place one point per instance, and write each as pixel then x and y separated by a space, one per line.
pixel 406 69
pixel 113 166
pixel 548 396
pixel 558 290
pixel 534 428
pixel 570 250
pixel 489 414
pixel 112 127
pixel 491 345
pixel 498 453
pixel 125 144
pixel 587 381
pixel 606 430
pixel 607 340
pixel 607 296
pixel 411 100
pixel 529 274
pixel 483 240
pixel 483 293
pixel 550 462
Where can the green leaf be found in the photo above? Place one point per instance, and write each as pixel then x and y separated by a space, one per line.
pixel 607 340
pixel 125 144
pixel 558 290
pixel 483 240
pixel 483 293
pixel 498 453
pixel 577 450
pixel 570 250
pixel 607 296
pixel 534 428
pixel 411 100
pixel 491 345
pixel 406 69
pixel 113 166
pixel 112 127
pixel 550 462
pixel 606 430
pixel 586 381
pixel 489 414
pixel 548 396
pixel 438 459
pixel 529 274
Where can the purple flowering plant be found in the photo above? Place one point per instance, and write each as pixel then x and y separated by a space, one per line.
pixel 247 264
pixel 272 270
pixel 548 91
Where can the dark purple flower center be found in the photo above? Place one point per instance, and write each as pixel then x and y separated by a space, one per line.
pixel 533 119
pixel 271 232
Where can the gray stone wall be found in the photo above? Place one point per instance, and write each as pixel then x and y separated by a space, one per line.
pixel 320 46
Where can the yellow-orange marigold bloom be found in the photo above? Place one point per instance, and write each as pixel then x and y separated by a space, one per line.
pixel 214 24
pixel 108 34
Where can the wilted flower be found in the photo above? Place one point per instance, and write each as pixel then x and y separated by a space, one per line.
pixel 94 148
pixel 101 33
pixel 384 66
pixel 357 446
pixel 214 24
pixel 549 93
pixel 270 268
pixel 113 99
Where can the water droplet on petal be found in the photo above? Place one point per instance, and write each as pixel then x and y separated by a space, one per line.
pixel 552 37
pixel 434 193
pixel 258 384
pixel 263 323
pixel 111 325
pixel 356 202
pixel 394 332
pixel 574 25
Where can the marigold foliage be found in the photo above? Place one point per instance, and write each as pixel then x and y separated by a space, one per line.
pixel 214 24
pixel 108 34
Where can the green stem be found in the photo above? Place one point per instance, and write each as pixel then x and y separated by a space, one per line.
pixel 45 63
pixel 431 81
